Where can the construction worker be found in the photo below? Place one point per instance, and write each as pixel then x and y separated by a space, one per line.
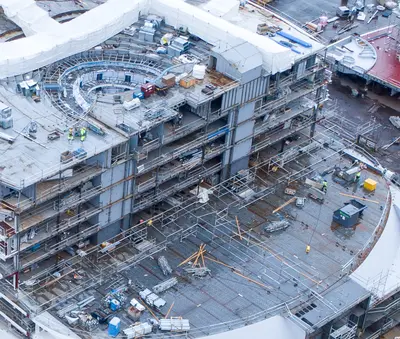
pixel 150 223
pixel 70 135
pixel 308 248
pixel 325 186
pixel 83 134
pixel 358 176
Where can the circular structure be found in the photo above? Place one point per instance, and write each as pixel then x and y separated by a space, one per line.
pixel 78 78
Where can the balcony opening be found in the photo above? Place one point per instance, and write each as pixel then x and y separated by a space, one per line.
pixel 216 104
pixel 213 62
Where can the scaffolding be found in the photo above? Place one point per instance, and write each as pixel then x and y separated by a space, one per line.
pixel 347 331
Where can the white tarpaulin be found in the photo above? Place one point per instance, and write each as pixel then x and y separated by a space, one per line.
pixel 221 8
pixel 78 35
pixel 31 18
pixel 276 327
pixel 52 41
pixel 380 271
pixel 222 33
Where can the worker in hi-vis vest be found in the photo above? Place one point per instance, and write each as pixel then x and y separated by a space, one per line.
pixel 325 186
pixel 83 134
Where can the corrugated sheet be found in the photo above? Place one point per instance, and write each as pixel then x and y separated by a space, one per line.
pixel 242 57
pixel 230 99
pixel 254 89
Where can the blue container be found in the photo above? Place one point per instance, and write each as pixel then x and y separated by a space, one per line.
pixel 114 327
pixel 139 95
pixel 115 305
pixel 35 247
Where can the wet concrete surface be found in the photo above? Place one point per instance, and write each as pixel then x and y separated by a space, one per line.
pixel 362 110
pixel 304 11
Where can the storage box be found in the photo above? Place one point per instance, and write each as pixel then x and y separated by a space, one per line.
pixel 115 305
pixel 370 185
pixel 114 327
pixel 169 80
pixel 148 89
pixel 187 82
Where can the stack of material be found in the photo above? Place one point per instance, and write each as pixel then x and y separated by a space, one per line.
pixel 164 265
pixel 165 285
pixel 152 299
pixel 138 331
pixel 144 246
pixel 175 324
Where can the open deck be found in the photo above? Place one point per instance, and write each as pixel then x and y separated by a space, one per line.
pixel 271 270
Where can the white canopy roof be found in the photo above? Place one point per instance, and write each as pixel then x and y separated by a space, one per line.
pixel 380 271
pixel 49 41
pixel 276 327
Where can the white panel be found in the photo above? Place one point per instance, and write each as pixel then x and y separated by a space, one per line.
pixel 118 173
pixel 117 192
pixel 103 217
pixel 106 179
pixel 245 112
pixel 244 130
pixel 105 198
pixel 127 206
pixel 115 212
pixel 241 150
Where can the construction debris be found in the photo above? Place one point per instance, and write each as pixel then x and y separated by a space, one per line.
pixel 87 321
pixel 164 265
pixel 283 205
pixel 197 269
pixel 347 28
pixel 275 226
pixel 290 191
pixel 395 121
pixel 198 272
pixel 312 183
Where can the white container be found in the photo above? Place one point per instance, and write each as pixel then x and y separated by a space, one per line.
pixel 323 21
pixel 137 305
pixel 199 71
pixel 130 105
pixel 138 330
